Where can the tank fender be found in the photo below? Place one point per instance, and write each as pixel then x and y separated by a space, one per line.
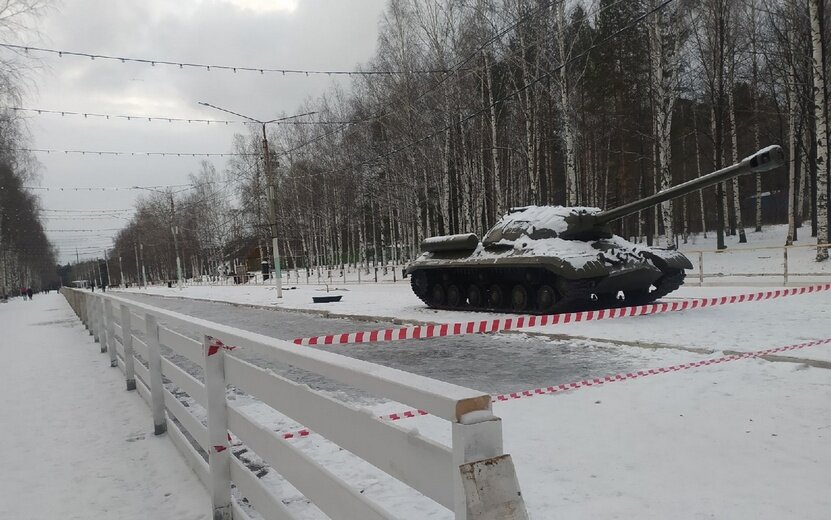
pixel 667 259
pixel 577 267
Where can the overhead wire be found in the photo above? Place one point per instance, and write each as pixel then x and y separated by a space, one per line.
pixel 26 49
pixel 224 122
pixel 135 154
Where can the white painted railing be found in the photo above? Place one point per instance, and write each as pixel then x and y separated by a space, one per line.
pixel 473 478
pixel 780 271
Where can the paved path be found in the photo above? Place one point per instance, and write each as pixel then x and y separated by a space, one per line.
pixel 493 363
pixel 76 444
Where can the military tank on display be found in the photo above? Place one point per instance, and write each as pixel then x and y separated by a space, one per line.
pixel 547 259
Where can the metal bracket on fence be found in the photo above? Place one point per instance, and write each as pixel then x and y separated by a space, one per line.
pixel 492 490
pixel 218 453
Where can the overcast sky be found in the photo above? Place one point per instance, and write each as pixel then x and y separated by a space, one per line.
pixel 297 34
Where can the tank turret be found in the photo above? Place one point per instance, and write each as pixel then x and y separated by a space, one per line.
pixel 552 258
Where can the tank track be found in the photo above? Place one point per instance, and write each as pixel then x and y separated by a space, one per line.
pixel 570 294
pixel 670 281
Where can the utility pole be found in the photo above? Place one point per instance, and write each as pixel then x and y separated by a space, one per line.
pixel 138 276
pixel 100 278
pixel 143 270
pixel 107 265
pixel 175 230
pixel 121 270
pixel 272 212
pixel 271 190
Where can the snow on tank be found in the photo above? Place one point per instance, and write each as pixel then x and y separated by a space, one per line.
pixel 535 222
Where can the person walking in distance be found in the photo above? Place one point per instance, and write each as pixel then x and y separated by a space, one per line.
pixel 29 292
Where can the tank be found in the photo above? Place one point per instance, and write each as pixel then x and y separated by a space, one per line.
pixel 548 259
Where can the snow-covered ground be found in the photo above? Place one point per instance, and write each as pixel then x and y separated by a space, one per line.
pixel 762 254
pixel 747 439
pixel 76 444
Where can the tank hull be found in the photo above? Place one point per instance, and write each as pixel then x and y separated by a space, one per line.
pixel 600 274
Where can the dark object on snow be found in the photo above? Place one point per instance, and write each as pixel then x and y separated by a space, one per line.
pixel 544 259
pixel 327 299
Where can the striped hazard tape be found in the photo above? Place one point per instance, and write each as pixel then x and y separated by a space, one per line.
pixel 569 387
pixel 522 322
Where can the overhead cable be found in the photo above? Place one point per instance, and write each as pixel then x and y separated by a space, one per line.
pixel 87 115
pixel 26 49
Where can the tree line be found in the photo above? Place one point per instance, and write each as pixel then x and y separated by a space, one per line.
pixel 27 259
pixel 538 102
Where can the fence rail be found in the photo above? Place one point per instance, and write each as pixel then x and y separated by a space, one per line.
pixel 786 272
pixel 449 475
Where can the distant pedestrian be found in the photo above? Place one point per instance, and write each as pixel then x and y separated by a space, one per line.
pixel 93 286
pixel 29 292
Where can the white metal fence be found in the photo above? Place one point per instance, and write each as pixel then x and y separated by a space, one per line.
pixel 348 274
pixel 472 477
pixel 770 265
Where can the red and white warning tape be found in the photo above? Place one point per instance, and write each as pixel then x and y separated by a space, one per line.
pixel 599 381
pixel 521 322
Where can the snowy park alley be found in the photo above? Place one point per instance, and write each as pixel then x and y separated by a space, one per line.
pixel 683 444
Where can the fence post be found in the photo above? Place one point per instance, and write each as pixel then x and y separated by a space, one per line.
pixel 701 268
pixel 218 452
pixel 154 362
pixel 92 316
pixel 100 324
pixel 108 311
pixel 786 266
pixel 85 311
pixel 127 342
pixel 484 480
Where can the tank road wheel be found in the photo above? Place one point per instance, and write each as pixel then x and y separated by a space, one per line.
pixel 519 298
pixel 437 295
pixel 546 298
pixel 454 296
pixel 419 283
pixel 495 296
pixel 639 296
pixel 610 300
pixel 474 296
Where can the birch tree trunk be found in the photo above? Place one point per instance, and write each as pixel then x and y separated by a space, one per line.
pixel 698 171
pixel 755 102
pixel 565 110
pixel 816 13
pixel 737 204
pixel 790 95
pixel 497 182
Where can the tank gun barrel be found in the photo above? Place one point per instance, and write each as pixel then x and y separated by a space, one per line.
pixel 762 161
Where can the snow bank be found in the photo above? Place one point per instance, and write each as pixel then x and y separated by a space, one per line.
pixel 76 444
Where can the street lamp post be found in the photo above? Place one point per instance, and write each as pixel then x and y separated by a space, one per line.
pixel 271 189
pixel 121 270
pixel 175 230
